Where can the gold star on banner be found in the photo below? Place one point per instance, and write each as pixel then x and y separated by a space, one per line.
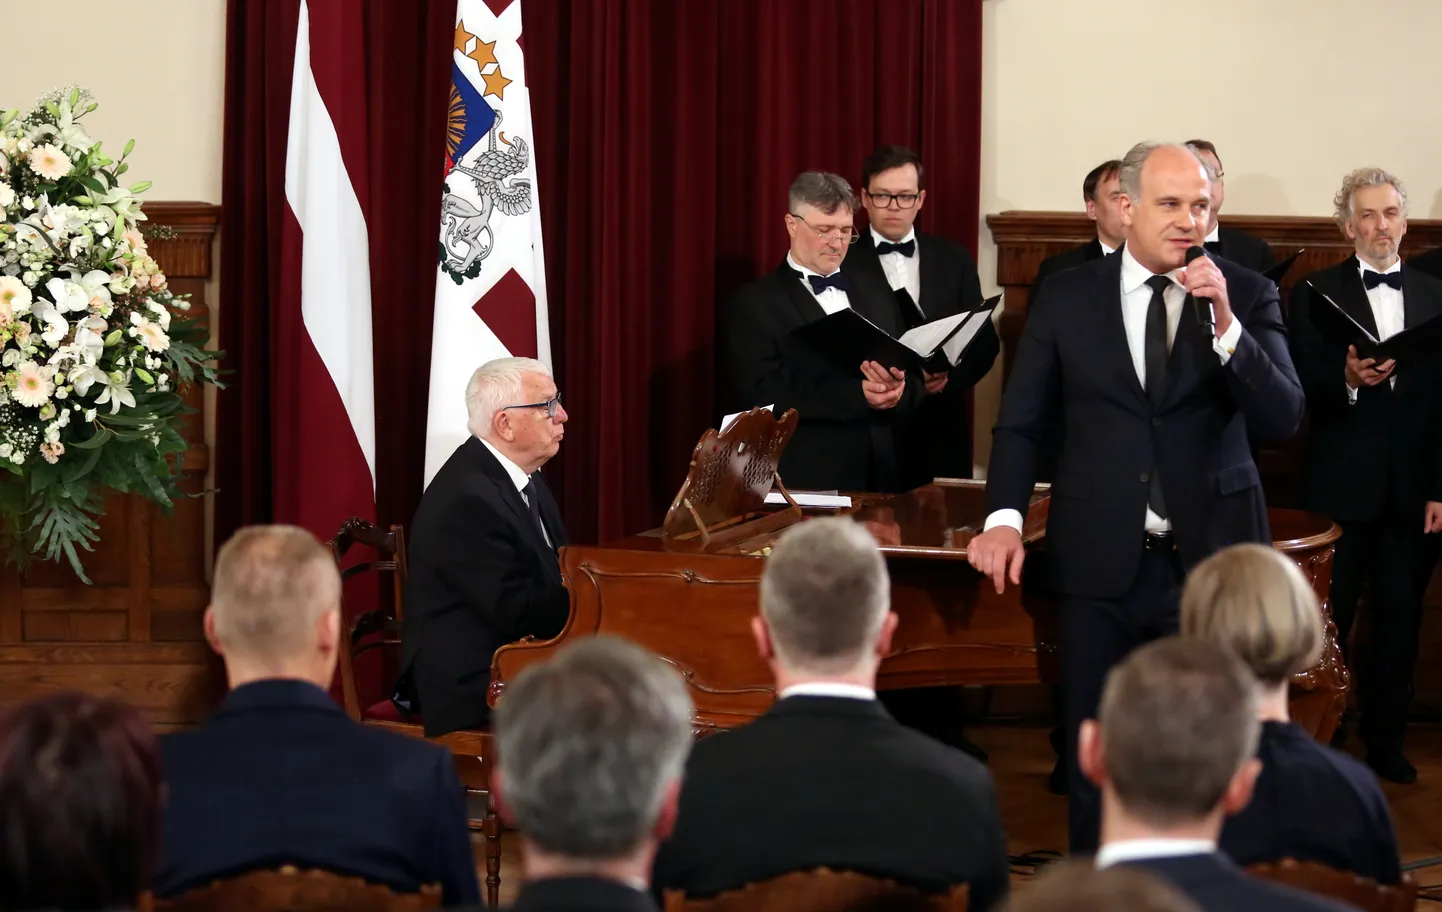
pixel 495 84
pixel 463 37
pixel 484 54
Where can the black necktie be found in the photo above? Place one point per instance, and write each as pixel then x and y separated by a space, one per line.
pixel 1155 352
pixel 1373 279
pixel 533 503
pixel 836 280
pixel 905 248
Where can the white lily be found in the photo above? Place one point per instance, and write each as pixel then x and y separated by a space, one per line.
pixel 90 337
pixel 69 294
pixel 70 133
pixel 117 393
pixel 94 283
pixel 57 328
pixel 84 376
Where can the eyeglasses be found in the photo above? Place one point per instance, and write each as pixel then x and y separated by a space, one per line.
pixel 550 405
pixel 849 235
pixel 903 200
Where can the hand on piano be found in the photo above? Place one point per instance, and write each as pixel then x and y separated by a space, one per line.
pixel 996 551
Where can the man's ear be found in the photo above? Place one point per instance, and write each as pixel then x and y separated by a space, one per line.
pixel 208 623
pixel 764 647
pixel 670 809
pixel 1125 204
pixel 327 631
pixel 888 630
pixel 1092 209
pixel 1089 753
pixel 1239 791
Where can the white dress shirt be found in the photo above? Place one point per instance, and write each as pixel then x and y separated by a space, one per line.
pixel 902 271
pixel 831 299
pixel 519 478
pixel 1107 249
pixel 829 689
pixel 1387 310
pixel 1136 299
pixel 1215 237
pixel 1138 849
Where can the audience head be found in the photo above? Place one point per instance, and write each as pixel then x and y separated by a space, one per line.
pixel 821 220
pixel 275 606
pixel 825 604
pixel 1255 601
pixel 1371 209
pixel 1166 203
pixel 513 405
pixel 80 804
pixel 893 189
pixel 1102 192
pixel 1207 152
pixel 1173 742
pixel 591 746
pixel 1075 885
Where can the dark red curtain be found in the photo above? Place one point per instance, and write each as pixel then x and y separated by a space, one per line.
pixel 666 136
pixel 406 89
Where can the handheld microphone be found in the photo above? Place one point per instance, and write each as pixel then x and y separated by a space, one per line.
pixel 1202 307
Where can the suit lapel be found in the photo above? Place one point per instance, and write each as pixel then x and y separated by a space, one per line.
pixel 1093 251
pixel 520 514
pixel 1352 295
pixel 1417 305
pixel 931 276
pixel 1117 353
pixel 807 308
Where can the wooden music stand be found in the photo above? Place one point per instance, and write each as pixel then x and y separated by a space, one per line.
pixel 722 500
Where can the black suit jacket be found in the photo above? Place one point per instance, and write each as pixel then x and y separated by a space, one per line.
pixel 1216 884
pixel 1313 803
pixel 280 775
pixel 835 782
pixel 1380 456
pixel 481 576
pixel 1243 248
pixel 1068 259
pixel 840 443
pixel 935 441
pixel 580 894
pixel 1074 370
pixel 1429 262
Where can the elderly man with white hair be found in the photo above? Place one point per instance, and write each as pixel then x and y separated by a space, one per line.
pixel 483 564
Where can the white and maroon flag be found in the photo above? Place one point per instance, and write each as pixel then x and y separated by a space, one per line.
pixel 491 280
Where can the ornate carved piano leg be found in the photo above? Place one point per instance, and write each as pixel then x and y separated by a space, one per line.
pixel 1319 695
pixel 491 830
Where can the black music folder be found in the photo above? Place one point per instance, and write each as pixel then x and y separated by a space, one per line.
pixel 1410 346
pixel 1277 272
pixel 848 338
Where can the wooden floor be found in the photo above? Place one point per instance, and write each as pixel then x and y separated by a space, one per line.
pixel 1021 759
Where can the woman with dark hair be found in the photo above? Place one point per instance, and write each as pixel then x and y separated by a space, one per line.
pixel 80 795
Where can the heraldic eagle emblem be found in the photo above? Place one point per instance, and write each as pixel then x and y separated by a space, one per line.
pixel 467 237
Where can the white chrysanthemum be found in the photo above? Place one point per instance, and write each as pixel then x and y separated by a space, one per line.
pixel 49 162
pixel 152 336
pixel 14 299
pixel 7 193
pixel 32 385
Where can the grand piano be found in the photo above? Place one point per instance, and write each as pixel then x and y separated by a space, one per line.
pixel 688 590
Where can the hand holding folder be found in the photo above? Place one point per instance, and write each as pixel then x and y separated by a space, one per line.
pixel 1412 345
pixel 849 339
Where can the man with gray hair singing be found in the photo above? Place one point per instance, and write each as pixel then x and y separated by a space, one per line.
pixel 483 564
pixel 826 777
pixel 1374 447
pixel 591 746
pixel 844 439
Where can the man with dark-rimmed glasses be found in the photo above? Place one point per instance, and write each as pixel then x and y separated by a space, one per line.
pixel 483 566
pixel 844 438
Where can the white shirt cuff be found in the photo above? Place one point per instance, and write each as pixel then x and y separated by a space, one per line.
pixel 1351 395
pixel 1010 518
pixel 1226 343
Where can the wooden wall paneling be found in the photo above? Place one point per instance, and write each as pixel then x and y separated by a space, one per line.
pixel 136 633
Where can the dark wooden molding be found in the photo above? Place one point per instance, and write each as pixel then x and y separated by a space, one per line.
pixel 188 254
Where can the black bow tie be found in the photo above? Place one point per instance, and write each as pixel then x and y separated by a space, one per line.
pixel 1373 279
pixel 837 280
pixel 905 248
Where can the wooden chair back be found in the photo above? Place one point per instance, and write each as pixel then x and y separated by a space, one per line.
pixel 822 890
pixel 292 890
pixel 1363 892
pixel 377 628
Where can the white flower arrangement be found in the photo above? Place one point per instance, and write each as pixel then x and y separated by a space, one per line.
pixel 94 349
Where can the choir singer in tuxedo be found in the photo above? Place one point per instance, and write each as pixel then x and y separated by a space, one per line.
pixel 1374 463
pixel 483 564
pixel 1156 408
pixel 845 438
pixel 1102 193
pixel 931 278
pixel 1233 244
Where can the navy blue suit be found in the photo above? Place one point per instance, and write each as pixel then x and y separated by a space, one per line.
pixel 280 775
pixel 1074 380
pixel 1313 803
pixel 581 894
pixel 1216 884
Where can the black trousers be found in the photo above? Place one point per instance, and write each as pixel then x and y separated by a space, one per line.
pixel 1097 634
pixel 1386 556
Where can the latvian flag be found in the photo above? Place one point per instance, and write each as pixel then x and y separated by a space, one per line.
pixel 490 279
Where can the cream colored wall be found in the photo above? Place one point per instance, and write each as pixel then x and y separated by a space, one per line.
pixel 1293 92
pixel 163 86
